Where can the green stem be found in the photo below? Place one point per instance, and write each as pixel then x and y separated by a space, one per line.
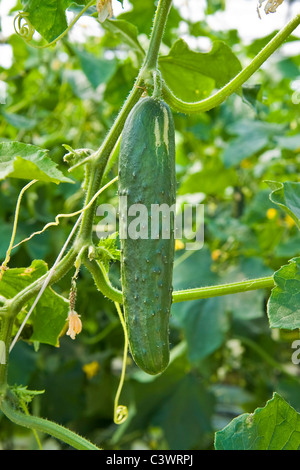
pixel 7 323
pixel 43 425
pixel 102 282
pixel 235 83
pixel 225 289
pixel 160 20
pixel 102 155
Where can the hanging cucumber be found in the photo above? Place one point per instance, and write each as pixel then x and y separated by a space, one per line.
pixel 146 181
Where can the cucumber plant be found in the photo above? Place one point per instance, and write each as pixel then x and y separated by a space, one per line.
pixel 142 137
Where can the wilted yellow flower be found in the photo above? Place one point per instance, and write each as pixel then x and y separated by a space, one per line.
pixel 271 5
pixel 104 8
pixel 91 369
pixel 271 213
pixel 75 325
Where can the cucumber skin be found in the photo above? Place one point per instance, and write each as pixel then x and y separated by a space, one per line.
pixel 147 176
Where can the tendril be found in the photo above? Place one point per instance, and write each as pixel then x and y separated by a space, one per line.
pixel 121 414
pixel 120 411
pixel 25 29
pixel 3 266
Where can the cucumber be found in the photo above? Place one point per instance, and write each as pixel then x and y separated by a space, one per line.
pixel 147 176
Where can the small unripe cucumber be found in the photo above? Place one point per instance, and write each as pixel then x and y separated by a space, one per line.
pixel 147 177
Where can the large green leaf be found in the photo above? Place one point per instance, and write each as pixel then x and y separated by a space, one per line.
pixel 287 196
pixel 284 302
pixel 25 161
pixel 48 18
pixel 200 72
pixel 274 427
pixel 50 314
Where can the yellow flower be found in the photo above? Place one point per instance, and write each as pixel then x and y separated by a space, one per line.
pixel 75 325
pixel 179 245
pixel 104 8
pixel 91 369
pixel 215 255
pixel 271 213
pixel 289 221
pixel 246 163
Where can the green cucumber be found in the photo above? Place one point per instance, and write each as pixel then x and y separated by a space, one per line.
pixel 147 176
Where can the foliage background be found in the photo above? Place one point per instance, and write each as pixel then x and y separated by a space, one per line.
pixel 224 355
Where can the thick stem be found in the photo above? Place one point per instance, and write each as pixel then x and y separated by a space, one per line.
pixel 102 155
pixel 225 289
pixel 86 227
pixel 104 285
pixel 160 20
pixel 48 427
pixel 5 336
pixel 220 96
pixel 102 281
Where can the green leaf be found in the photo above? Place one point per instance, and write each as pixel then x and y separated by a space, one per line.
pixel 274 427
pixel 48 18
pixel 212 179
pixel 20 122
pixel 246 305
pixel 287 196
pixel 126 31
pixel 284 302
pixel 241 148
pixel 96 70
pixel 206 324
pixel 185 416
pixel 25 161
pixel 107 250
pixel 25 395
pixel 288 142
pixel 49 316
pixel 143 11
pixel 200 72
pixel 251 93
pixel 253 136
